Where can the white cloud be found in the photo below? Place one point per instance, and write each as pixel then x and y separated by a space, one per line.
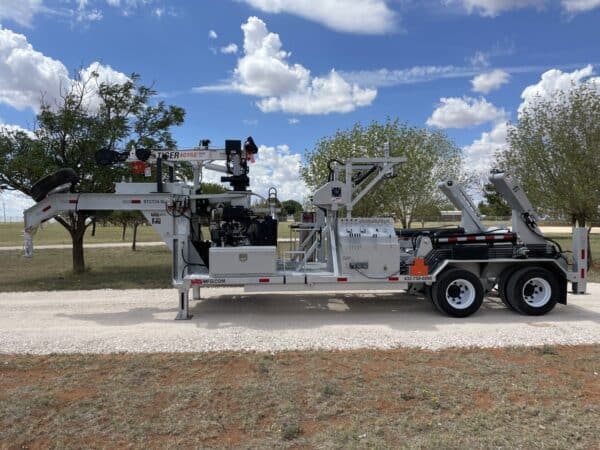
pixel 12 204
pixel 352 16
pixel 577 6
pixel 263 71
pixel 26 74
pixel 416 74
pixel 553 81
pixel 293 121
pixel 492 8
pixel 212 34
pixel 456 112
pixel 229 49
pixel 20 11
pixel 274 167
pixel 158 12
pixel 489 81
pixel 479 156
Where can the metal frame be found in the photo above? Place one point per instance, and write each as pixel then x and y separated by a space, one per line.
pixel 318 263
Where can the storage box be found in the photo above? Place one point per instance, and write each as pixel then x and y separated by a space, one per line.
pixel 250 260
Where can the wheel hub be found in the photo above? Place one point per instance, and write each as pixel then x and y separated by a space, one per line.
pixel 537 292
pixel 460 294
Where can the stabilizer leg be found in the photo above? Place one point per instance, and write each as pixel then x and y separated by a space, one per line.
pixel 184 305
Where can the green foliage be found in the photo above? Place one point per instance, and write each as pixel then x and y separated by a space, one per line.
pixel 494 204
pixel 212 188
pixel 88 117
pixel 291 207
pixel 555 152
pixel 431 157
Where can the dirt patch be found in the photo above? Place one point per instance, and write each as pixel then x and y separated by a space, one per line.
pixel 362 398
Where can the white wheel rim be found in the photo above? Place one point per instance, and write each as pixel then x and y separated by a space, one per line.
pixel 460 294
pixel 536 292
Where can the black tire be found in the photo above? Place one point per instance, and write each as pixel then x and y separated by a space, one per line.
pixel 533 291
pixel 503 283
pixel 457 293
pixel 40 190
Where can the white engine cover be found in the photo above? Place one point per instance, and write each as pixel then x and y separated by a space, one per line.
pixel 369 246
pixel 248 260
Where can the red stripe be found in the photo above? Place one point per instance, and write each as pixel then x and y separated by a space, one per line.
pixel 490 237
pixel 46 208
pixel 197 281
pixel 582 254
pixel 342 279
pixel 452 240
pixel 263 280
pixel 393 278
pixel 72 201
pixel 471 238
pixel 136 201
pixel 582 274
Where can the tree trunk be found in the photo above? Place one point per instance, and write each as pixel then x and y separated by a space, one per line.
pixel 78 260
pixel 135 227
pixel 123 234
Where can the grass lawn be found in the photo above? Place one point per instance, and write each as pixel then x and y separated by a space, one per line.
pixel 11 234
pixel 545 397
pixel 115 268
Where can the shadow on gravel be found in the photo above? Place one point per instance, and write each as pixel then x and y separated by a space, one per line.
pixel 302 311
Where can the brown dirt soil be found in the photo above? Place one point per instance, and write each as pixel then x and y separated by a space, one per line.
pixel 515 397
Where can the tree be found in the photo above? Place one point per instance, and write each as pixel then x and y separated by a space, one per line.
pixel 89 115
pixel 126 219
pixel 291 207
pixel 493 204
pixel 431 157
pixel 554 150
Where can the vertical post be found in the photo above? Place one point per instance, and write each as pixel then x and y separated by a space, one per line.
pixel 580 259
pixel 196 292
pixel 159 182
pixel 184 304
pixel 27 245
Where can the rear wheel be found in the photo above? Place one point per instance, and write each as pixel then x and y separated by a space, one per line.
pixel 503 283
pixel 457 293
pixel 533 291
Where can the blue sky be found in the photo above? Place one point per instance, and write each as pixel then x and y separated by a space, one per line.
pixel 415 60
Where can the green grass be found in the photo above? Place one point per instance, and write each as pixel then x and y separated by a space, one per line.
pixel 114 268
pixel 11 234
pixel 53 233
pixel 546 397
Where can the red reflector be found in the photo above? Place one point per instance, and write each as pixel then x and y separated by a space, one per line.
pixel 72 201
pixel 46 208
pixel 197 281
pixel 582 274
pixel 264 280
pixel 136 201
pixel 582 254
pixel 393 278
pixel 452 240
pixel 342 279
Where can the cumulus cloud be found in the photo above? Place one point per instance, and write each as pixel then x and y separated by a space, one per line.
pixel 275 166
pixel 555 80
pixel 489 81
pixel 456 112
pixel 229 49
pixel 264 71
pixel 492 8
pixel 20 11
pixel 479 156
pixel 578 6
pixel 351 16
pixel 212 34
pixel 27 75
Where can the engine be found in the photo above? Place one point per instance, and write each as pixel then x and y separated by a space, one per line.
pixel 233 226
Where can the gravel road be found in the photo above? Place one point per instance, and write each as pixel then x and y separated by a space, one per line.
pixel 105 321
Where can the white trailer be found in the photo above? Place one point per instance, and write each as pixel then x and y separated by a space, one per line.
pixel 454 267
